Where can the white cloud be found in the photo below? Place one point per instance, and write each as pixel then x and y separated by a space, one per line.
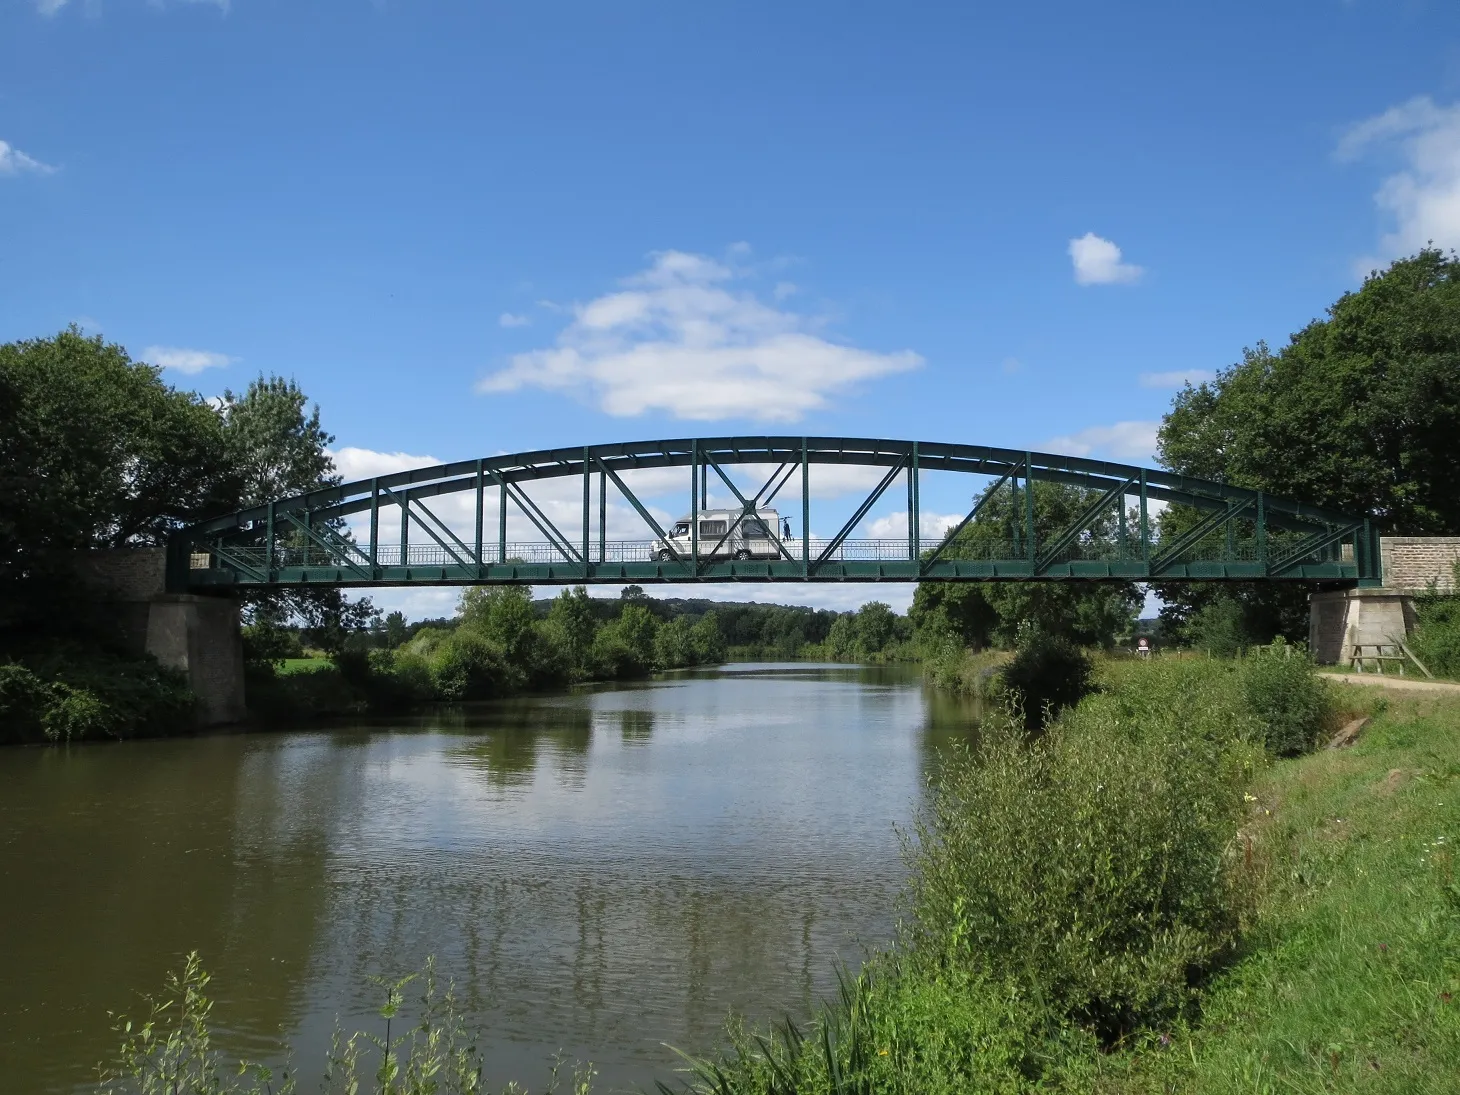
pixel 1011 365
pixel 354 463
pixel 1124 441
pixel 1177 379
pixel 1097 262
pixel 1423 199
pixel 931 526
pixel 785 290
pixel 677 339
pixel 511 319
pixel 50 7
pixel 185 360
pixel 15 162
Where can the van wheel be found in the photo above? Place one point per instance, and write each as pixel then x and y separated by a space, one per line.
pixel 665 555
pixel 742 555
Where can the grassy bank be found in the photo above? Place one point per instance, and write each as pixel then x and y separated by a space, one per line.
pixel 1149 900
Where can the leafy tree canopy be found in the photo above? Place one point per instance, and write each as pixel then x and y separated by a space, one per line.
pixel 984 614
pixel 1359 412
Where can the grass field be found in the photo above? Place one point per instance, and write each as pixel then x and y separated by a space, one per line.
pixel 1350 976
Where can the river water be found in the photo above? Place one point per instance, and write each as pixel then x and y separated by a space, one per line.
pixel 606 872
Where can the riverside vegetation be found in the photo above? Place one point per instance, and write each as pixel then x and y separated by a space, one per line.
pixel 1166 888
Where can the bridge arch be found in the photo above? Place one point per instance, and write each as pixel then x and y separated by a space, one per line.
pixel 1242 535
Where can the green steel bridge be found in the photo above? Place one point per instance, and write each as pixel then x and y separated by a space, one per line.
pixel 1239 535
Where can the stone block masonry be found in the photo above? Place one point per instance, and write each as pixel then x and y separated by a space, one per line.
pixel 198 635
pixel 1417 564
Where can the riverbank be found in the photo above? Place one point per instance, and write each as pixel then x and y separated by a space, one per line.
pixel 1147 900
pixel 1322 954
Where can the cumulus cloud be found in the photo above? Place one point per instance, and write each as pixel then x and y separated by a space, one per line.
pixel 679 338
pixel 1177 379
pixel 932 527
pixel 1097 262
pixel 15 162
pixel 1422 200
pixel 185 360
pixel 512 319
pixel 1124 441
pixel 355 463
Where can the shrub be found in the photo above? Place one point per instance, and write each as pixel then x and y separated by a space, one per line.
pixel 76 713
pixel 1087 865
pixel 1047 674
pixel 23 698
pixel 466 666
pixel 1287 697
pixel 1436 642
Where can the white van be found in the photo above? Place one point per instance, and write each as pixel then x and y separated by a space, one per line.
pixel 758 536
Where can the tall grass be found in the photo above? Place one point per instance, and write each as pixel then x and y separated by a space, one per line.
pixel 171 1052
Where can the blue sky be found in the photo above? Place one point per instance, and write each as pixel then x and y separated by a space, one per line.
pixel 469 228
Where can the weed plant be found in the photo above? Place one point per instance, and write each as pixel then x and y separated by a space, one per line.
pixel 172 1051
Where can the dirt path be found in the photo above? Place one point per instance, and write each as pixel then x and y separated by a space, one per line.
pixel 1414 683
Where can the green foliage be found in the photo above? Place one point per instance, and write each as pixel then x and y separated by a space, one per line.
pixel 1287 697
pixel 873 631
pixel 571 624
pixel 23 699
pixel 97 452
pixel 1086 613
pixel 275 449
pixel 71 691
pixel 1218 627
pixel 1047 674
pixel 171 1052
pixel 1436 640
pixel 1360 412
pixel 469 666
pixel 626 646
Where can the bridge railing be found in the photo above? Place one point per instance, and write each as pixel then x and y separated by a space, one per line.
pixel 641 551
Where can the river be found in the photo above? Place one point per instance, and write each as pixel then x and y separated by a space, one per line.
pixel 605 872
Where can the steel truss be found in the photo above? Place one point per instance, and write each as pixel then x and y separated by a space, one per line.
pixel 298 541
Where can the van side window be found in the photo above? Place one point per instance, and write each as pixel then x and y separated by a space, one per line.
pixel 681 529
pixel 712 528
pixel 754 526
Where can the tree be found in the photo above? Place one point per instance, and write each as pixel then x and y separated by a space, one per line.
pixel 572 621
pixel 1360 412
pixel 1087 613
pixel 274 448
pixel 95 452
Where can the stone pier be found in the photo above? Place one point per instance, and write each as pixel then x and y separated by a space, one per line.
pixel 198 635
pixel 1339 620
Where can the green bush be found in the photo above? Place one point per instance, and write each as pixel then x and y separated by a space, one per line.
pixel 71 691
pixel 1047 674
pixel 1089 864
pixel 1436 641
pixel 466 666
pixel 1287 697
pixel 23 698
pixel 75 713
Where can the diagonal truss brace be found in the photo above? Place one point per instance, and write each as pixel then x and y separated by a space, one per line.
pixel 750 506
pixel 633 500
pixel 1066 538
pixel 1306 547
pixel 536 516
pixel 1203 528
pixel 335 545
pixel 404 501
pixel 856 518
pixel 953 533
